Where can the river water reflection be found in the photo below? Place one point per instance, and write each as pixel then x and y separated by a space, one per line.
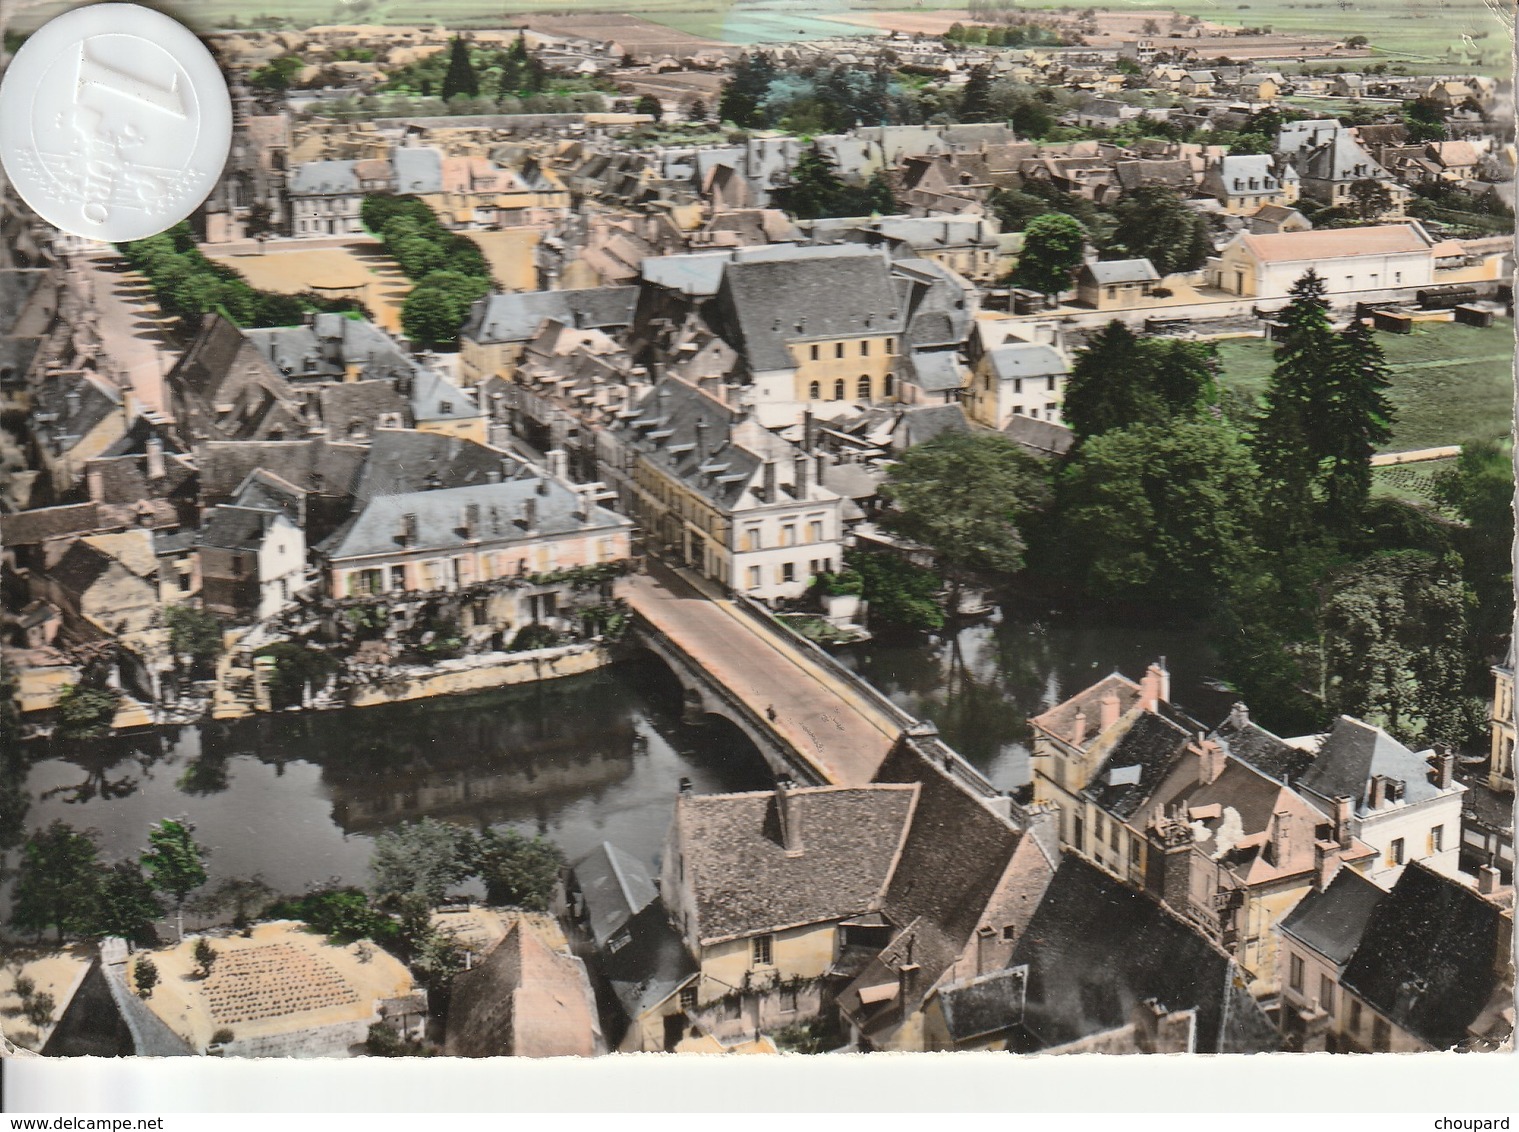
pixel 299 797
pixel 982 685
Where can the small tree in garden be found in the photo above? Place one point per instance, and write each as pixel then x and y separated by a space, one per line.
pixel 175 864
pixel 145 974
pixel 205 957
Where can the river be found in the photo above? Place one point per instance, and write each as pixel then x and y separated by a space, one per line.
pixel 298 798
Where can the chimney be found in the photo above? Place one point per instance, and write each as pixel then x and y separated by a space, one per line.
pixel 1109 709
pixel 701 438
pixel 558 464
pixel 1078 728
pixel 1239 717
pixel 1281 830
pixel 1326 863
pixel 530 516
pixel 96 480
pixel 809 430
pixel 493 475
pixel 155 458
pixel 789 813
pixel 1210 761
pixel 685 786
pixel 986 940
pixel 1158 1030
pixel 799 468
pixel 1378 792
pixel 1444 770
pixel 908 977
pixel 1342 812
pixel 1487 880
pixel 542 487
pixel 409 529
pixel 471 524
pixel 769 481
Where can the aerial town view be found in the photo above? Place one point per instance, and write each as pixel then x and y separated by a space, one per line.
pixel 775 528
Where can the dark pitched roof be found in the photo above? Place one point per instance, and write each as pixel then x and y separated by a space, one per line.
pixel 80 567
pixel 28 528
pixel 743 879
pixel 403 460
pixel 315 464
pixel 235 528
pixel 1096 948
pixel 1253 744
pixel 615 887
pixel 650 965
pixel 767 303
pixel 67 406
pixel 921 424
pixel 355 408
pixel 956 852
pixel 517 317
pixel 1153 743
pixel 440 518
pixel 17 285
pixel 1333 921
pixel 1428 960
pixel 982 1007
pixel 524 999
pixel 1353 753
pixel 1038 437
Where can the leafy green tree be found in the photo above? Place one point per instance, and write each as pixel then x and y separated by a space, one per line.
pixel 1284 437
pixel 1352 417
pixel 175 864
pixel 1393 646
pixel 145 975
pixel 648 104
pixel 432 316
pixel 517 871
pixel 239 895
pixel 460 77
pixel 1482 490
pixel 421 858
pixel 975 99
pixel 1154 224
pixel 1424 118
pixel 85 712
pixel 963 495
pixel 344 914
pixel 205 957
pixel 127 906
pixel 39 1009
pixel 1369 198
pixel 1053 247
pixel 277 75
pixel 1164 512
pixel 898 592
pixel 1120 379
pixel 742 97
pixel 816 190
pixel 194 633
pixel 57 881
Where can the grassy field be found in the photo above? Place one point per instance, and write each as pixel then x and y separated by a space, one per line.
pixel 1451 384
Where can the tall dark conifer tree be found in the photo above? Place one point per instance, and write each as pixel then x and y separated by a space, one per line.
pixel 1350 420
pixel 460 78
pixel 1288 461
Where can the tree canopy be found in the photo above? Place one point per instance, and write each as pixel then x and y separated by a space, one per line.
pixel 964 496
pixel 175 863
pixel 1120 379
pixel 816 190
pixel 57 881
pixel 460 78
pixel 422 858
pixel 1152 223
pixel 1053 247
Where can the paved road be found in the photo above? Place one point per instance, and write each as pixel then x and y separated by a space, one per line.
pixel 131 328
pixel 817 714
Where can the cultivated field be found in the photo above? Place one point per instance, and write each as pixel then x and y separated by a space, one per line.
pixel 1460 33
pixel 1451 384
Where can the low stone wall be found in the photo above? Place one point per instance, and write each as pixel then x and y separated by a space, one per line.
pixel 453 677
pixel 336 1039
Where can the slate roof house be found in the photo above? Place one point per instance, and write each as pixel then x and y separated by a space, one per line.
pixel 1152 797
pixel 1319 937
pixel 729 497
pixel 1406 805
pixel 452 538
pixel 1096 951
pixel 1116 284
pixel 523 999
pixel 500 326
pixel 223 388
pixel 1432 970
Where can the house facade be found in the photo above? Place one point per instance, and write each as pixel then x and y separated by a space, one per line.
pixel 1349 260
